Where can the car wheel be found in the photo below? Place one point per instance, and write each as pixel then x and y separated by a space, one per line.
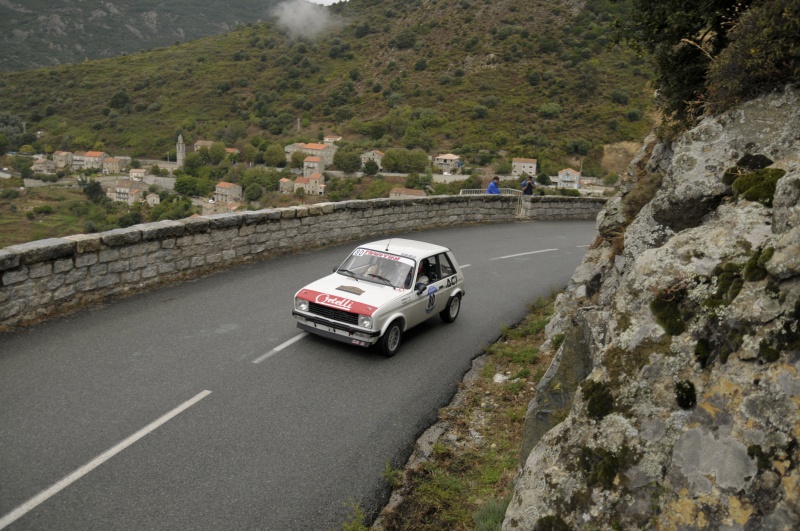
pixel 450 313
pixel 390 341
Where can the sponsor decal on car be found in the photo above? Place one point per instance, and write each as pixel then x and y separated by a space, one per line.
pixel 340 303
pixel 432 290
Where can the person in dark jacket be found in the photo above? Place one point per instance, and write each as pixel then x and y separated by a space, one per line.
pixel 528 186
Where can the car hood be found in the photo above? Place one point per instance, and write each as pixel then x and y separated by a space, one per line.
pixel 349 294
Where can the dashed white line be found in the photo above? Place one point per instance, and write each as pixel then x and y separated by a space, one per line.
pixel 465 266
pixel 280 347
pixel 523 254
pixel 48 493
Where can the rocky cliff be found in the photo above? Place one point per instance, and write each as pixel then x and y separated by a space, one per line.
pixel 674 399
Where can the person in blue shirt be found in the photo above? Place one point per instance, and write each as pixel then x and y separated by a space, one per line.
pixel 528 186
pixel 493 188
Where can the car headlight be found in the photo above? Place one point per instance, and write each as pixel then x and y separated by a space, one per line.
pixel 365 321
pixel 300 304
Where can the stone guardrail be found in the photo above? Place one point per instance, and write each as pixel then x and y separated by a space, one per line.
pixel 50 277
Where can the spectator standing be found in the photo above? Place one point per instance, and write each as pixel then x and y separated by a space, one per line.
pixel 528 186
pixel 493 188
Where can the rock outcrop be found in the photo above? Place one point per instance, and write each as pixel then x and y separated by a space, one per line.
pixel 684 319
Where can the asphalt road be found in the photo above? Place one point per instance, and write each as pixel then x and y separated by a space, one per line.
pixel 201 405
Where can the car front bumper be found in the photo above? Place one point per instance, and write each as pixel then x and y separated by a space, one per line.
pixel 334 330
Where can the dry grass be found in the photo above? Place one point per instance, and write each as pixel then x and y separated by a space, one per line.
pixel 466 481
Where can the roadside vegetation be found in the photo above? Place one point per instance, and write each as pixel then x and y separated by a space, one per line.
pixel 467 481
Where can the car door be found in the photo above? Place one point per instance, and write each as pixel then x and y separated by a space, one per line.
pixel 439 271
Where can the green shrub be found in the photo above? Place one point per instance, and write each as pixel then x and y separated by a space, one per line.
pixel 598 397
pixel 666 308
pixel 763 53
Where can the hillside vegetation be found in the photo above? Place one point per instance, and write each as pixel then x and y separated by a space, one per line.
pixel 40 33
pixel 483 79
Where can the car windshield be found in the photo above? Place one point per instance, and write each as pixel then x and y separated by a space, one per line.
pixel 379 267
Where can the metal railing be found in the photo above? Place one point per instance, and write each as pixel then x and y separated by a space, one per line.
pixel 503 191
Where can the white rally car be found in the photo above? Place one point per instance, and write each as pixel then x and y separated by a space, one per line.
pixel 380 291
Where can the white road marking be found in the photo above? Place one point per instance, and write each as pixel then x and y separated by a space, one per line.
pixel 280 347
pixel 48 493
pixel 523 254
pixel 465 266
pixel 582 246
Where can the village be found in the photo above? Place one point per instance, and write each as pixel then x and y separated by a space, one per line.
pixel 122 182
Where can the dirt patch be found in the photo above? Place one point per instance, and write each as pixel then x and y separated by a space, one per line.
pixel 617 157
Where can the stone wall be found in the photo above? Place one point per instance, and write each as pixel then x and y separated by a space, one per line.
pixel 47 277
pixel 547 207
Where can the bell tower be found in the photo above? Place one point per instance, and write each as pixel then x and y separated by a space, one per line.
pixel 180 151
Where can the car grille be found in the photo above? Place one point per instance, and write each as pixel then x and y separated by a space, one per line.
pixel 333 313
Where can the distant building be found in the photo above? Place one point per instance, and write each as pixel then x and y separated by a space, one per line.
pixel 324 151
pixel 332 139
pixel 286 186
pixel 568 178
pixel 153 199
pixel 180 151
pixel 43 165
pixel 126 191
pixel 94 160
pixel 526 166
pixel 447 163
pixel 112 165
pixel 316 184
pixel 63 159
pixel 227 193
pixel 137 174
pixel 202 144
pixel 374 156
pixel 311 165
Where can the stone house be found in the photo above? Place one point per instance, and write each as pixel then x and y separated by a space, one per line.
pixel 406 193
pixel 227 193
pixel 63 159
pixel 202 144
pixel 153 199
pixel 78 160
pixel 447 163
pixel 94 160
pixel 312 165
pixel 43 165
pixel 374 156
pixel 301 182
pixel 316 184
pixel 323 151
pixel 526 166
pixel 286 186
pixel 125 191
pixel 112 165
pixel 137 174
pixel 568 178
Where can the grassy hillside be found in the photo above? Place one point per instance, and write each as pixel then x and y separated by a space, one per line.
pixel 483 79
pixel 38 33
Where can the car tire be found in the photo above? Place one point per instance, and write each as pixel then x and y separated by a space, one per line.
pixel 452 309
pixel 390 341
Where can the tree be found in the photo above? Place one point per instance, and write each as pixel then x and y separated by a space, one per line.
pixel 298 159
pixel 192 163
pixel 371 167
pixel 217 153
pixel 684 39
pixel 347 161
pixel 94 192
pixel 274 156
pixel 253 192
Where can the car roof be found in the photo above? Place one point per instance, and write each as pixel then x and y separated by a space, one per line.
pixel 405 247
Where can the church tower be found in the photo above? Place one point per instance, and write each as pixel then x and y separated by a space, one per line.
pixel 180 151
